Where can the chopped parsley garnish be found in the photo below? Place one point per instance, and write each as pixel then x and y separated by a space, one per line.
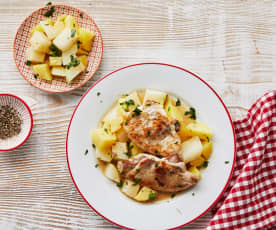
pixel 137 170
pixel 177 126
pixel 28 63
pixel 86 152
pixel 178 102
pixel 73 33
pixel 126 183
pixel 226 162
pixel 96 165
pixel 205 164
pixel 49 3
pixel 156 164
pixel 148 133
pixel 35 76
pixel 99 93
pixel 152 195
pixel 120 185
pixel 50 12
pixel 131 146
pixel 155 151
pixel 126 122
pixel 176 142
pixel 169 109
pixel 173 195
pixel 148 104
pixel 86 71
pixel 193 194
pixel 78 44
pixel 179 186
pixel 127 154
pixel 55 51
pixel 94 146
pixel 105 129
pixel 137 180
pixel 81 15
pixel 136 112
pixel 208 139
pixel 129 102
pixel 191 113
pixel 74 62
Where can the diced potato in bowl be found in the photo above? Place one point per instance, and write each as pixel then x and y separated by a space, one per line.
pixel 59 44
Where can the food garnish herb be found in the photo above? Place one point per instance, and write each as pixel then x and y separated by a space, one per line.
pixel 49 3
pixel 10 122
pixel 73 62
pixel 137 180
pixel 193 194
pixel 73 33
pixel 136 112
pixel 192 113
pixel 131 146
pixel 226 162
pixel 94 146
pixel 28 63
pixel 148 133
pixel 155 151
pixel 81 15
pixel 169 108
pixel 176 142
pixel 50 12
pixel 86 152
pixel 55 51
pixel 35 76
pixel 78 44
pixel 96 165
pixel 99 93
pixel 105 129
pixel 152 195
pixel 179 186
pixel 126 183
pixel 173 195
pixel 129 102
pixel 205 164
pixel 120 185
pixel 137 170
pixel 178 102
pixel 127 154
pixel 156 164
pixel 126 122
pixel 148 104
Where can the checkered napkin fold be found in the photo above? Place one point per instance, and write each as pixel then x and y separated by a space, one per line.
pixel 249 202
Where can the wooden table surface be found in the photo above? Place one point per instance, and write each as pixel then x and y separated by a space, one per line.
pixel 230 44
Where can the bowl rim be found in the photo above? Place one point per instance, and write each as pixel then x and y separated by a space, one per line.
pixel 70 89
pixel 30 114
pixel 162 64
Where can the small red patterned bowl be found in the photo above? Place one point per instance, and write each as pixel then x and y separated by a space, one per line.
pixel 27 121
pixel 21 44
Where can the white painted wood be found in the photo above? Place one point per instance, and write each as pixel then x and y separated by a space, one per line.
pixel 230 44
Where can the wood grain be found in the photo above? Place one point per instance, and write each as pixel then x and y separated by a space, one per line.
pixel 230 44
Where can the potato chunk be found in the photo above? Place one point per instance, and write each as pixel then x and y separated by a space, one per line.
pixel 71 22
pixel 103 139
pixel 114 124
pixel 130 188
pixel 49 30
pixel 38 28
pixel 155 95
pixel 42 71
pixel 83 60
pixel 66 39
pixel 134 149
pixel 104 155
pixel 58 71
pixel 112 173
pixel 34 56
pixel 86 38
pixel 191 149
pixel 145 194
pixel 55 61
pixel 207 149
pixel 73 72
pixel 199 129
pixel 197 162
pixel 39 42
pixel 68 54
pixel 119 151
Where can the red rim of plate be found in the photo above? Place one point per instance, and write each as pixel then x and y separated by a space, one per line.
pixel 84 82
pixel 152 63
pixel 31 116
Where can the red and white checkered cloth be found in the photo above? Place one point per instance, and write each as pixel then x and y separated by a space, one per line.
pixel 250 199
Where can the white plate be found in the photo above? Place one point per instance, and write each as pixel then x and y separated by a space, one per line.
pixel 102 195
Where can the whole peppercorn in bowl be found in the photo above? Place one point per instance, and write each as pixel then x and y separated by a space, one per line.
pixel 16 122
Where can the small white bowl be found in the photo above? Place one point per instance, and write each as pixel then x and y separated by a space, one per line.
pixel 27 122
